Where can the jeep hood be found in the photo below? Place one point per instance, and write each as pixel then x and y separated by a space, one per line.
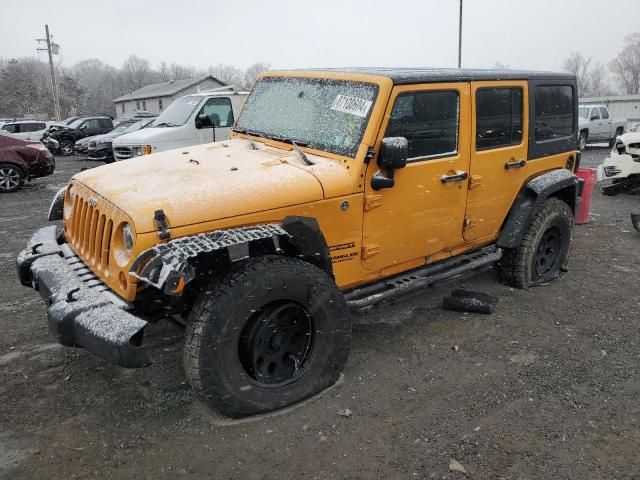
pixel 213 181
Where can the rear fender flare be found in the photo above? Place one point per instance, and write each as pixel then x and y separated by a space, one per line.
pixel 561 184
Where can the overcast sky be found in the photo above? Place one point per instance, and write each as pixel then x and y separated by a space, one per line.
pixel 536 34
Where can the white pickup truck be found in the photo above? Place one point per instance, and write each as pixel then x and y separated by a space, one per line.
pixel 596 125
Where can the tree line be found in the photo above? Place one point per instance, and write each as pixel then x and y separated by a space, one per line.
pixel 89 86
pixel 621 76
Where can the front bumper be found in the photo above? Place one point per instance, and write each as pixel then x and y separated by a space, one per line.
pixel 100 153
pixel 80 312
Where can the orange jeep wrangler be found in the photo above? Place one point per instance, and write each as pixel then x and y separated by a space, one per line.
pixel 339 189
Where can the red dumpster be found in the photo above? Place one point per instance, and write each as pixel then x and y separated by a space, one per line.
pixel 584 205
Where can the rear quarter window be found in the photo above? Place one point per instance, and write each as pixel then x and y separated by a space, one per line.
pixel 554 112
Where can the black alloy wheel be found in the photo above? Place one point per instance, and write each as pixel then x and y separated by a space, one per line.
pixel 547 254
pixel 276 344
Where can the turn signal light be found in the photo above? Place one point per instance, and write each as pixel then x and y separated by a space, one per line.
pixel 147 149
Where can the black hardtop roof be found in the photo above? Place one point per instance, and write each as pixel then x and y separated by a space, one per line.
pixel 402 76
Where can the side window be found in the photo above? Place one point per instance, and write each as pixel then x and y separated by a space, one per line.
pixel 137 104
pixel 28 127
pixel 91 124
pixel 219 111
pixel 11 128
pixel 429 122
pixel 122 109
pixel 160 104
pixel 144 105
pixel 498 117
pixel 554 112
pixel 104 123
pixel 604 112
pixel 595 114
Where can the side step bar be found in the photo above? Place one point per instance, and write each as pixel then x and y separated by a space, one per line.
pixel 427 276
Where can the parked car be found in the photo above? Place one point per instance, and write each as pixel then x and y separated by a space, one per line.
pixel 81 147
pixel 67 135
pixel 596 125
pixel 26 129
pixel 189 120
pixel 22 160
pixel 622 167
pixel 101 148
pixel 338 190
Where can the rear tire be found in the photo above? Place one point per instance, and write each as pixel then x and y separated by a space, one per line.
pixel 11 178
pixel 543 253
pixel 271 332
pixel 582 140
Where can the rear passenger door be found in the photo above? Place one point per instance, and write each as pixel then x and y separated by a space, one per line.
pixel 498 155
pixel 422 213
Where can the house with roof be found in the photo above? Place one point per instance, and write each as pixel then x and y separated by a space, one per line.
pixel 154 98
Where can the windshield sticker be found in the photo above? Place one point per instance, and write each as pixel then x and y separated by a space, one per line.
pixel 351 105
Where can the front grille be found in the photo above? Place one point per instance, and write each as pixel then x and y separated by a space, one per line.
pixel 89 231
pixel 125 152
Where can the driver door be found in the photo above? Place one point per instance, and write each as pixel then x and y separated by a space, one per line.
pixel 218 112
pixel 423 213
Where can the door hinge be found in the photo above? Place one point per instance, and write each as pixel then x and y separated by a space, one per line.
pixel 372 201
pixel 474 181
pixel 370 250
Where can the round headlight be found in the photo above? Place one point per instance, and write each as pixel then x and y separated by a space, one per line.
pixel 127 237
pixel 72 192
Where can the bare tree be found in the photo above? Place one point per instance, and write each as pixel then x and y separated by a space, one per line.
pixel 253 72
pixel 579 66
pixel 228 74
pixel 598 81
pixel 136 71
pixel 164 72
pixel 626 66
pixel 178 72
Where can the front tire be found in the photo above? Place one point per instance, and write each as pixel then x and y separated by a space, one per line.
pixel 612 140
pixel 271 332
pixel 66 148
pixel 544 251
pixel 11 178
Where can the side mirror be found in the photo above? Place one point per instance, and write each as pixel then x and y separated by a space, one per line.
pixel 83 127
pixel 203 121
pixel 394 152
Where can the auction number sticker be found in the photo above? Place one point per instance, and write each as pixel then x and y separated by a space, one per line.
pixel 352 105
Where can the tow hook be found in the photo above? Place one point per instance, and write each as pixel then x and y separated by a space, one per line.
pixel 34 249
pixel 70 298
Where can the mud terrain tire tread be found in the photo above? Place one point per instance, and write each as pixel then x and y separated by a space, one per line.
pixel 216 321
pixel 515 264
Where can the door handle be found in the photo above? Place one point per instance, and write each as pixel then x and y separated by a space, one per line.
pixel 512 165
pixel 459 176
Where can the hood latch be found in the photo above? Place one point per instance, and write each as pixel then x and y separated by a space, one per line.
pixel 162 224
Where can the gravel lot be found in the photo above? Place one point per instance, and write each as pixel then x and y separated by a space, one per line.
pixel 545 388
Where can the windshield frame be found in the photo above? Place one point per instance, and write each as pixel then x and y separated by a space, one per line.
pixel 316 77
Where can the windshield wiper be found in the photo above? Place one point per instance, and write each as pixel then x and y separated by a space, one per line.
pixel 249 134
pixel 303 155
pixel 165 124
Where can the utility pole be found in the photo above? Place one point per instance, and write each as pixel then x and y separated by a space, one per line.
pixel 54 81
pixel 460 38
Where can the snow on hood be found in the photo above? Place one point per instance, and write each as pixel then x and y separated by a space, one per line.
pixel 214 181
